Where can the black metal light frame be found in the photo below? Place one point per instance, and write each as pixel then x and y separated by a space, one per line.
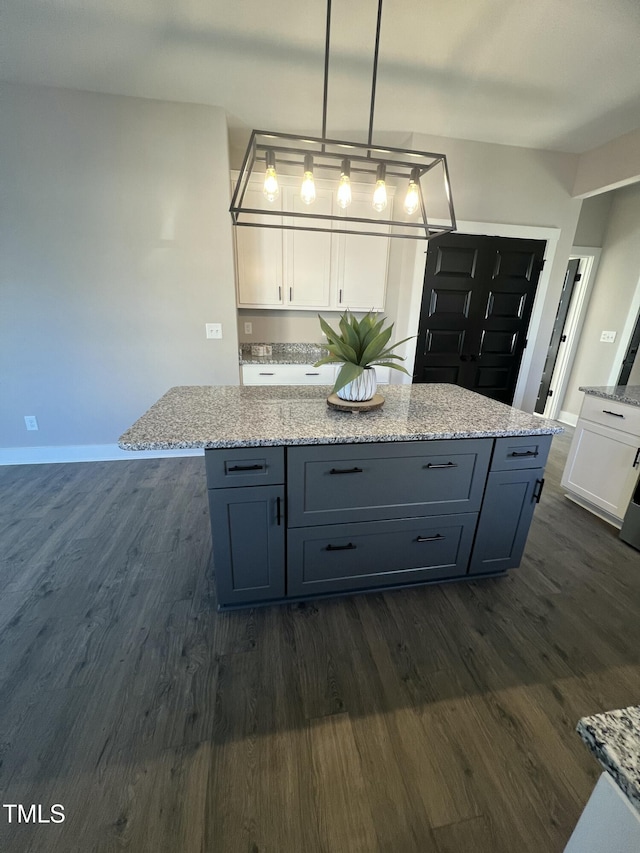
pixel 290 150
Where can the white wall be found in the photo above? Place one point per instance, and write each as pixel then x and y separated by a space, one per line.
pixel 613 303
pixel 115 250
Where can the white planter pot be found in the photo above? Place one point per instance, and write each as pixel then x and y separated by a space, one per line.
pixel 362 388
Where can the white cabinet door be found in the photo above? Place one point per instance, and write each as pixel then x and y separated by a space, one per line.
pixel 362 263
pixel 600 467
pixel 307 256
pixel 259 261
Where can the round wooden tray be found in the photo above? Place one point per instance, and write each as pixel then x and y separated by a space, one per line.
pixel 355 406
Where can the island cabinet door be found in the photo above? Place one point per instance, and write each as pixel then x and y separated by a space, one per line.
pixel 505 518
pixel 247 526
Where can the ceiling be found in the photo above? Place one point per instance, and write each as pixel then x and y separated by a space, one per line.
pixel 553 74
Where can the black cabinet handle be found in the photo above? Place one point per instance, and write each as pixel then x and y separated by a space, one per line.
pixel 444 465
pixel 265 374
pixel 346 471
pixel 463 358
pixel 637 459
pixel 312 374
pixel 290 294
pixel 615 414
pixel 280 292
pixel 537 492
pixel 474 358
pixel 526 453
pixel 278 510
pixel 349 547
pixel 430 538
pixel 245 468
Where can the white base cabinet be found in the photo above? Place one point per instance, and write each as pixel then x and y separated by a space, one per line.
pixel 298 374
pixel 604 459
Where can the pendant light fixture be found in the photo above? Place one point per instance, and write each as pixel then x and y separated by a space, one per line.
pixel 400 183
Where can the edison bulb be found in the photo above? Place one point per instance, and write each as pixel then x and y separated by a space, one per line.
pixel 271 188
pixel 380 196
pixel 308 189
pixel 344 192
pixel 412 199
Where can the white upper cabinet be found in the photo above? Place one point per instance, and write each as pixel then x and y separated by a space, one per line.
pixel 362 262
pixel 311 270
pixel 307 256
pixel 259 260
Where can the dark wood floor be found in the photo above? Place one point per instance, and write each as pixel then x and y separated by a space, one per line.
pixel 440 719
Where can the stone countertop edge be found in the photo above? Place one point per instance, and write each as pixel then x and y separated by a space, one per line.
pixel 195 417
pixel 629 394
pixel 299 353
pixel 614 738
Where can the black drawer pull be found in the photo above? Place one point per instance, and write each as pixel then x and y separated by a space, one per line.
pixel 445 465
pixel 637 459
pixel 537 492
pixel 265 374
pixel 430 538
pixel 278 510
pixel 526 453
pixel 349 547
pixel 615 414
pixel 245 468
pixel 312 374
pixel 346 471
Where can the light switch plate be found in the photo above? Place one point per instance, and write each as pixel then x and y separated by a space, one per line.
pixel 608 337
pixel 213 330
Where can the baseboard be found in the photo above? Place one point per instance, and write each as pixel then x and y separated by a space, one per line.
pixel 84 453
pixel 568 418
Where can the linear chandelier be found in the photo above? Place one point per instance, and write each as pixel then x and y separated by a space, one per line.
pixel 366 189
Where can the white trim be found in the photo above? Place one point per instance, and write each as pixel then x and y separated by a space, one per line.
pixel 497 229
pixel 589 257
pixel 568 418
pixel 625 337
pixel 84 453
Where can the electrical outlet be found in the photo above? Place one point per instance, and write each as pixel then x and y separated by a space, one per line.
pixel 248 328
pixel 213 330
pixel 31 422
pixel 608 337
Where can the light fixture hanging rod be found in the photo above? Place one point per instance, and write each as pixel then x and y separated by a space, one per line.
pixel 374 78
pixel 326 71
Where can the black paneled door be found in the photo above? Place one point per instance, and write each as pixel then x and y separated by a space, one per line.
pixel 476 306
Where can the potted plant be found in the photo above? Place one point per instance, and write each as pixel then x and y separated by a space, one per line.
pixel 358 346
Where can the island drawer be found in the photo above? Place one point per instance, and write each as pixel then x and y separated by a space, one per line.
pixel 336 484
pixel 610 413
pixel 244 466
pixel 521 451
pixel 339 557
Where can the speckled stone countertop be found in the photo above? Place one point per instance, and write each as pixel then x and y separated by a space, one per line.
pixel 284 354
pixel 620 393
pixel 614 739
pixel 253 416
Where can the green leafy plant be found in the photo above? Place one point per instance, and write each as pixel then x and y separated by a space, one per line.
pixel 359 344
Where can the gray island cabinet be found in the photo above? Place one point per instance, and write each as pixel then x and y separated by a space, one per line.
pixel 439 484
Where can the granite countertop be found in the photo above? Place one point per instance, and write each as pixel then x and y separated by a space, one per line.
pixel 620 393
pixel 284 354
pixel 252 416
pixel 614 739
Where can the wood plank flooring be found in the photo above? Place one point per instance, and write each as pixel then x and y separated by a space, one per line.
pixel 435 720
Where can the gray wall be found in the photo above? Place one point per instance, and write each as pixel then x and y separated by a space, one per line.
pixel 593 221
pixel 116 248
pixel 611 300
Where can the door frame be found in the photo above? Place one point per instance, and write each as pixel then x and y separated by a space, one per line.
pixel 493 229
pixel 589 257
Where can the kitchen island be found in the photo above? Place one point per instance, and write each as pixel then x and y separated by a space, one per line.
pixel 439 484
